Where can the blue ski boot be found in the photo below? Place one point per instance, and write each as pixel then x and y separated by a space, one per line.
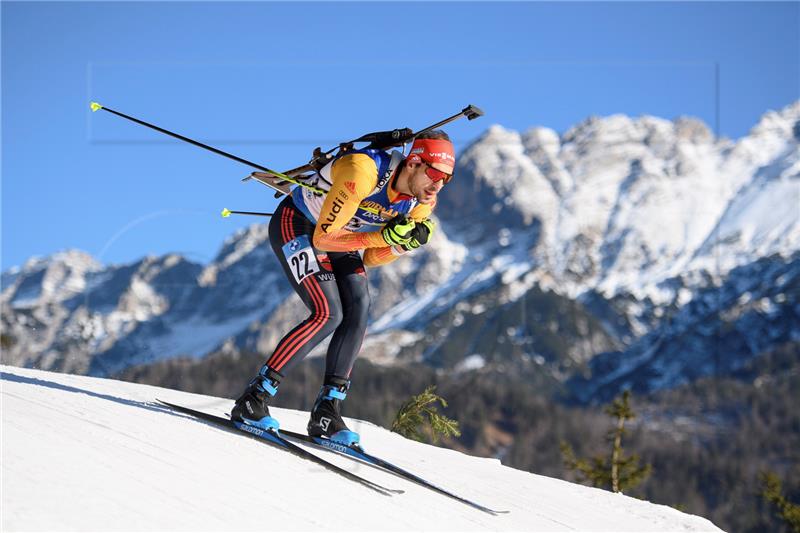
pixel 251 407
pixel 326 420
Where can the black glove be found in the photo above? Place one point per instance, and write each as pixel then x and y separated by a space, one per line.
pixel 421 234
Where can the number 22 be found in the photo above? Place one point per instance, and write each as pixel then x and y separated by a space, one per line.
pixel 296 264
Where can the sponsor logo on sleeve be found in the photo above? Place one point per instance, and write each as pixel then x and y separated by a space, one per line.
pixel 331 218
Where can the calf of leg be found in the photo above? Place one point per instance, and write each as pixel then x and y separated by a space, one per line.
pixel 348 337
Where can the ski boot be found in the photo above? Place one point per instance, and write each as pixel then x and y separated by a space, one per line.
pixel 326 420
pixel 251 407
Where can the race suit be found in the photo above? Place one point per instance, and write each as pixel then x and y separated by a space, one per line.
pixel 317 239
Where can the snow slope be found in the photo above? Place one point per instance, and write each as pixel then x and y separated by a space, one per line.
pixel 90 454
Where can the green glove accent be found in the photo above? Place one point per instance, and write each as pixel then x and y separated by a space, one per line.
pixel 398 231
pixel 421 234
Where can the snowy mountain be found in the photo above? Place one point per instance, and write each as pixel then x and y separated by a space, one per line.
pixel 70 314
pixel 552 250
pixel 621 204
pixel 721 329
pixel 83 453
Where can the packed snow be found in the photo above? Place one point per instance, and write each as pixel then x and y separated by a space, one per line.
pixel 81 453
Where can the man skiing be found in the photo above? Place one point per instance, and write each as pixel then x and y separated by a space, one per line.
pixel 318 237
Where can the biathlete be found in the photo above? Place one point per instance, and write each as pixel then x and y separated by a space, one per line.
pixel 318 239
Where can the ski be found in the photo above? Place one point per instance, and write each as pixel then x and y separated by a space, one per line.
pixel 358 453
pixel 275 439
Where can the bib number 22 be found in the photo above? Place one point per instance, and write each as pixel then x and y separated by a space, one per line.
pixel 300 257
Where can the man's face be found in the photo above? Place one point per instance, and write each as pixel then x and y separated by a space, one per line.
pixel 422 187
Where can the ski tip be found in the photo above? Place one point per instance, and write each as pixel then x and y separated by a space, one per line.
pixel 95 106
pixel 226 212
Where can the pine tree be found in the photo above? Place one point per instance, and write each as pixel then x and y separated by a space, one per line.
pixel 772 492
pixel 6 341
pixel 616 472
pixel 413 414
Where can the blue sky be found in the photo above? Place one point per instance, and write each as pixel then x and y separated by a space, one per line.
pixel 270 81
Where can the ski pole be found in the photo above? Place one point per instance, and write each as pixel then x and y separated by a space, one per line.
pixel 399 137
pixel 95 106
pixel 227 212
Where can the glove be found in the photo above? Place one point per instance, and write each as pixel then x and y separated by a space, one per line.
pixel 421 234
pixel 398 231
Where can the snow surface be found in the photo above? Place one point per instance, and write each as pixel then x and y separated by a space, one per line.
pixel 91 454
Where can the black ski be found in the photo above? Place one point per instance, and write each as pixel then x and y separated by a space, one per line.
pixel 274 438
pixel 356 452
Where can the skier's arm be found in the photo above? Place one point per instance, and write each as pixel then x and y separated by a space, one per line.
pixel 374 257
pixel 354 177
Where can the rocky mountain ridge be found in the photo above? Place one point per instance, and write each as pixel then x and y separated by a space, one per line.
pixel 614 227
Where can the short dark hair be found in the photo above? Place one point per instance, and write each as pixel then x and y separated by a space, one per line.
pixel 434 134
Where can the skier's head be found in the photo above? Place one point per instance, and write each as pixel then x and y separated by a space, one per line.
pixel 430 165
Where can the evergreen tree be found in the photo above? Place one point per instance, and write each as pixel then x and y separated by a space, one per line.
pixel 616 472
pixel 421 409
pixel 772 492
pixel 6 341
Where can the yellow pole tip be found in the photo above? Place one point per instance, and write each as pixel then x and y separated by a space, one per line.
pixel 225 212
pixel 95 106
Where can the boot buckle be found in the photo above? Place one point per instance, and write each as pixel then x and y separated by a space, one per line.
pixel 333 394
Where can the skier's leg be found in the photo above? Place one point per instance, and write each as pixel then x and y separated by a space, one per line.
pixel 351 279
pixel 309 272
pixel 326 418
pixel 310 275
